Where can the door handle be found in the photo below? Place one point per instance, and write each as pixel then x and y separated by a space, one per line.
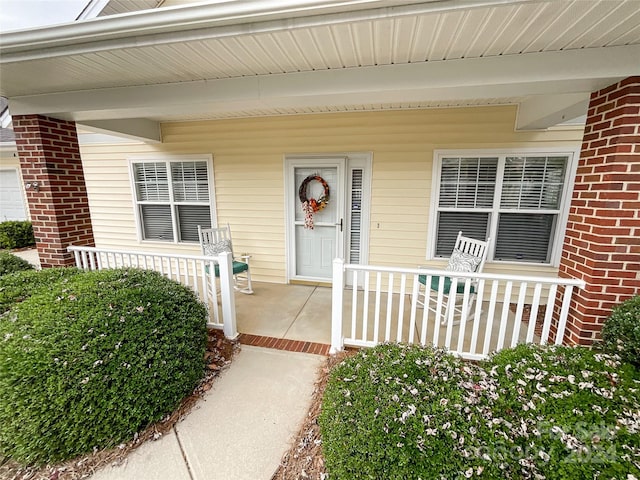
pixel 339 224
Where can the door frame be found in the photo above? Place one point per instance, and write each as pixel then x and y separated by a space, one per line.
pixel 346 162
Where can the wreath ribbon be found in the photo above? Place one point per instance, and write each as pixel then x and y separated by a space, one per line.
pixel 312 205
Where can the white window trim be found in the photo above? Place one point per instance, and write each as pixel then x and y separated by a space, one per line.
pixel 171 158
pixel 565 202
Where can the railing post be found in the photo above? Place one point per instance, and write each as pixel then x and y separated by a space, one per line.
pixel 337 293
pixel 229 326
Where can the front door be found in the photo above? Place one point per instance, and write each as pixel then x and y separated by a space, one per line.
pixel 316 237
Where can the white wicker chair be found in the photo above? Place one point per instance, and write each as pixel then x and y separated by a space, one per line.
pixel 214 241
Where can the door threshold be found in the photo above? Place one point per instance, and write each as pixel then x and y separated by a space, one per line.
pixel 310 283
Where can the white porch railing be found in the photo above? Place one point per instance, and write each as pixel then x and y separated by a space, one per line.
pixel 505 312
pixel 194 271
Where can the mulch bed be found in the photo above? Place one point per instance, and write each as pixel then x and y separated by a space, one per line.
pixel 219 354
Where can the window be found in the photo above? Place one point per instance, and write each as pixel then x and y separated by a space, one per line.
pixel 172 198
pixel 514 199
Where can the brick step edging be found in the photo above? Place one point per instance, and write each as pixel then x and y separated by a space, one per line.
pixel 284 344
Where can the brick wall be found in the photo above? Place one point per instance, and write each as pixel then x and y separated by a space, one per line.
pixel 602 243
pixel 50 155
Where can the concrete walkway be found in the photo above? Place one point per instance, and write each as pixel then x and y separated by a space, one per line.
pixel 239 430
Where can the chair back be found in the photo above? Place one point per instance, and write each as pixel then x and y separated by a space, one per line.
pixel 214 241
pixel 468 254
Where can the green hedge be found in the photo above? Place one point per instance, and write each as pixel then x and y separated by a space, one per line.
pixel 10 263
pixel 16 234
pixel 88 360
pixel 406 412
pixel 621 331
pixel 18 286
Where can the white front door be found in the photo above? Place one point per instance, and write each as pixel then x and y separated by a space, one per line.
pixel 341 228
pixel 315 248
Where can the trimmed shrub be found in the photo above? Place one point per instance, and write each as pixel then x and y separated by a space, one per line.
pixel 406 412
pixel 621 331
pixel 10 263
pixel 94 358
pixel 18 286
pixel 16 234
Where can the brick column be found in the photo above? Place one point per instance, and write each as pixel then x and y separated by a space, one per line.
pixel 602 243
pixel 50 157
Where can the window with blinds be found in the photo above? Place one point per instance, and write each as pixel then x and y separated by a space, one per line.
pixel 172 198
pixel 513 199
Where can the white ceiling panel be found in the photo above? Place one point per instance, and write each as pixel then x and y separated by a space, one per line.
pixel 442 31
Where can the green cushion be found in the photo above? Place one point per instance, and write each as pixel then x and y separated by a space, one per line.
pixel 435 283
pixel 238 267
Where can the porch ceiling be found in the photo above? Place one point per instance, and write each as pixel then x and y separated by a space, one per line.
pixel 263 57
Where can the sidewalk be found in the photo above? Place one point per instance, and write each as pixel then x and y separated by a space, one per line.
pixel 239 430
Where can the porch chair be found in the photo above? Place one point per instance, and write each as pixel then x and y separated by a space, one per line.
pixel 468 255
pixel 214 241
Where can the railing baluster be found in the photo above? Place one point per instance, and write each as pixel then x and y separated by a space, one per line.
pixel 403 285
pixel 414 305
pixel 194 275
pixel 492 309
pixel 504 319
pixel 533 314
pixel 354 305
pixel 546 326
pixel 365 307
pixel 473 346
pixel 564 312
pixel 376 318
pixel 438 315
pixel 450 311
pixel 425 312
pixel 519 311
pixel 387 327
pixel 464 314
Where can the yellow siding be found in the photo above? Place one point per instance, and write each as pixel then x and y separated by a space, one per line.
pixel 249 175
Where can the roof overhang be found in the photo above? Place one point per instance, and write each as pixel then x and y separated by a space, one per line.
pixel 138 67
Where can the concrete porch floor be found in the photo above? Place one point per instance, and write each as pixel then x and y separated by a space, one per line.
pixel 292 312
pixel 303 313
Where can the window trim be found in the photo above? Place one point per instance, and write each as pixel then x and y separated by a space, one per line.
pixel 208 158
pixel 573 155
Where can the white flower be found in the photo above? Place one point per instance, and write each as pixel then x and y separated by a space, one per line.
pixel 468 473
pixel 544 455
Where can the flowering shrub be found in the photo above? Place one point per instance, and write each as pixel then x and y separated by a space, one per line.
pixel 621 331
pixel 406 412
pixel 92 359
pixel 10 263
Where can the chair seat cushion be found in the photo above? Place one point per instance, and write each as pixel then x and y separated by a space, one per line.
pixel 238 267
pixel 435 283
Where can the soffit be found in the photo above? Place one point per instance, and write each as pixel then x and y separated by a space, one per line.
pixel 393 39
pixel 351 55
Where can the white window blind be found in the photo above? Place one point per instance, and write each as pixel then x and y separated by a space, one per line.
pixel 514 199
pixel 355 227
pixel 173 198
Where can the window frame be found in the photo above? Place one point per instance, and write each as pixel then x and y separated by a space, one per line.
pixel 168 160
pixel 563 211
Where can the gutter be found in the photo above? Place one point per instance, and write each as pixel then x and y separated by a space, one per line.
pixel 205 21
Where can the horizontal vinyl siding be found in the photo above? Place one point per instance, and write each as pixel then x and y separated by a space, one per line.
pixel 248 165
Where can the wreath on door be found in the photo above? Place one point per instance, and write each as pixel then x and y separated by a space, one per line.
pixel 312 205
